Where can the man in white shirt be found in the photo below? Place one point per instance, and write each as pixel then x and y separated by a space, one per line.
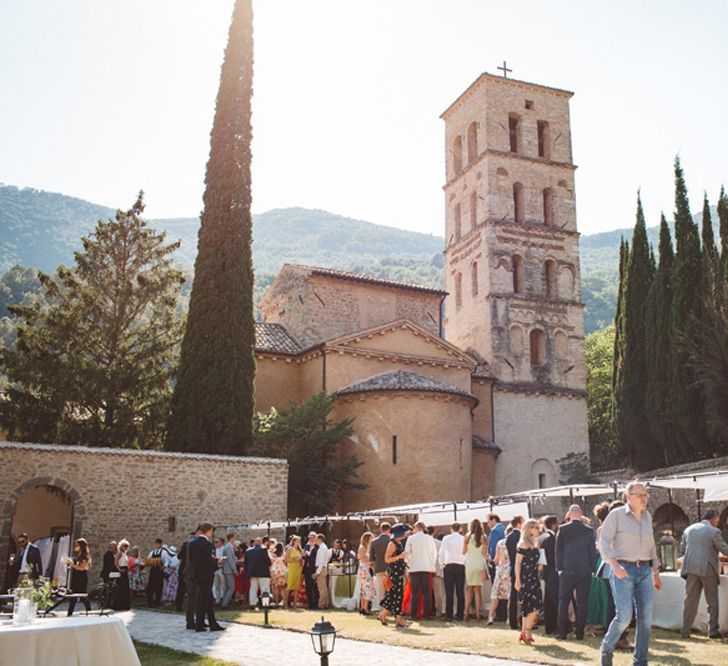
pixel 421 553
pixel 322 571
pixel 453 564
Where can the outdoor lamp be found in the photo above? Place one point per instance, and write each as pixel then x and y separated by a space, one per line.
pixel 323 636
pixel 265 603
pixel 667 550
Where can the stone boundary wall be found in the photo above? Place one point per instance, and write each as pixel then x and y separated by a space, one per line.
pixel 141 495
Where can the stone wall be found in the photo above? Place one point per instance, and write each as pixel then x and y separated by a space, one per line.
pixel 141 495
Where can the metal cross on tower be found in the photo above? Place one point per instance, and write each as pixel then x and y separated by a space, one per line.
pixel 505 70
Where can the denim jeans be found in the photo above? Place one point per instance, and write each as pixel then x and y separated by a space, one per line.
pixel 632 592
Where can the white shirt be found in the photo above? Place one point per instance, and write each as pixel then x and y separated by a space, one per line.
pixel 323 554
pixel 24 563
pixel 422 552
pixel 451 549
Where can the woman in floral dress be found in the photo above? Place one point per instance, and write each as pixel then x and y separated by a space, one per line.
pixel 366 584
pixel 395 557
pixel 526 580
pixel 136 573
pixel 502 581
pixel 278 573
pixel 171 575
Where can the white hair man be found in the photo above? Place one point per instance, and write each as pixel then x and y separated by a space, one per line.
pixel 627 544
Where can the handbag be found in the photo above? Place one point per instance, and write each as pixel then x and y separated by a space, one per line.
pixel 388 583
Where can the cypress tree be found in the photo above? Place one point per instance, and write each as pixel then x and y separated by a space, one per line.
pixel 657 333
pixel 723 222
pixel 213 402
pixel 686 401
pixel 709 251
pixel 617 357
pixel 633 424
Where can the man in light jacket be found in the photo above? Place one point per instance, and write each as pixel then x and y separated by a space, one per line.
pixel 701 543
pixel 229 569
pixel 421 552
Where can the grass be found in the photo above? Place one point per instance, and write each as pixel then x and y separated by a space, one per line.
pixel 496 641
pixel 156 655
pixel 666 647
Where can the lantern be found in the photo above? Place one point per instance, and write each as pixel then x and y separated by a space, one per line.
pixel 667 552
pixel 323 636
pixel 265 603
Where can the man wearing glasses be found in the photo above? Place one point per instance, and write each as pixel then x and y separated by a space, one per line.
pixel 627 544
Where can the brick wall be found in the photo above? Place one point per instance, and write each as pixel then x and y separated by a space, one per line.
pixel 119 493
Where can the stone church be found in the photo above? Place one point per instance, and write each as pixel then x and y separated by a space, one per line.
pixel 472 391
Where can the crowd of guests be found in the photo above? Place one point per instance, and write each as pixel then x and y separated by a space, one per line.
pixel 541 572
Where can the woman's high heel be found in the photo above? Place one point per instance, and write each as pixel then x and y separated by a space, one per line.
pixel 382 619
pixel 523 639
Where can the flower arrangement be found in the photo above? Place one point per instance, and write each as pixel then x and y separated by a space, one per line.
pixel 39 591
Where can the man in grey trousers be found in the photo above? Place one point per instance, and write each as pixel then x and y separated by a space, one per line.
pixel 229 570
pixel 701 543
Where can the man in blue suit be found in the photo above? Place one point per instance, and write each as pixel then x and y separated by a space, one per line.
pixel 576 559
pixel 201 565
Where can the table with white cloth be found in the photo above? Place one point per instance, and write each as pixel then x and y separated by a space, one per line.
pixel 667 605
pixel 68 641
pixel 344 590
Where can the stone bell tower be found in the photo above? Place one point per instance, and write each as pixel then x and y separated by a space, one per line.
pixel 512 269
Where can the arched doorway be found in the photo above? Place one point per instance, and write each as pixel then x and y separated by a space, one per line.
pixel 50 512
pixel 661 520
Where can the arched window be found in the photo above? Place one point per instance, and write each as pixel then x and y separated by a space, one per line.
pixel 549 278
pixel 537 340
pixel 458 289
pixel 544 139
pixel 457 154
pixel 519 274
pixel 514 132
pixel 519 214
pixel 548 207
pixel 473 209
pixel 472 141
pixel 458 223
pixel 516 341
pixel 561 345
pixel 474 278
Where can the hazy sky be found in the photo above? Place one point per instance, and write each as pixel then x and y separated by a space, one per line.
pixel 103 97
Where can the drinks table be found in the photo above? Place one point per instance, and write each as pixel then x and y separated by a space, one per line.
pixel 69 641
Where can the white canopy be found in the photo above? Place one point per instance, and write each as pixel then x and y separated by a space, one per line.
pixel 575 490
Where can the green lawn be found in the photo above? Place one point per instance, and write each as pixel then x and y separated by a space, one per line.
pixel 156 655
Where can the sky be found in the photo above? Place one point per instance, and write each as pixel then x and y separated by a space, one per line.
pixel 101 99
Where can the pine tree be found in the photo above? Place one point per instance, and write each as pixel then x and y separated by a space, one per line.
pixel 212 408
pixel 93 357
pixel 633 425
pixel 618 355
pixel 687 281
pixel 657 330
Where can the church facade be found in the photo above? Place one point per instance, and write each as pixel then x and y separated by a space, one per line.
pixel 471 391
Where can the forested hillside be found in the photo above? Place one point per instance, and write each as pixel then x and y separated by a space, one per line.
pixel 42 230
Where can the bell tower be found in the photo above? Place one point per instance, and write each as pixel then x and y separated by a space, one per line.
pixel 512 269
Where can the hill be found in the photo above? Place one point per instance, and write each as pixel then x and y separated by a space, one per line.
pixel 42 229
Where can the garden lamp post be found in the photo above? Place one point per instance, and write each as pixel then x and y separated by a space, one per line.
pixel 323 637
pixel 265 603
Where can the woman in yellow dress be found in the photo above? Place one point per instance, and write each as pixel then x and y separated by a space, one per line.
pixel 293 556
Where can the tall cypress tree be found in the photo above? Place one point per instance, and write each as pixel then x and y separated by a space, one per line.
pixel 709 251
pixel 633 424
pixel 723 222
pixel 687 280
pixel 212 407
pixel 657 333
pixel 618 357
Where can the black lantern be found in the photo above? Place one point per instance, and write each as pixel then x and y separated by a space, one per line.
pixel 667 551
pixel 265 604
pixel 323 637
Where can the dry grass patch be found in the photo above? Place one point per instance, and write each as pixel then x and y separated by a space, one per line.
pixel 666 647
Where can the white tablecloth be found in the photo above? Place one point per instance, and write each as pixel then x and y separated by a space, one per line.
pixel 72 641
pixel 667 608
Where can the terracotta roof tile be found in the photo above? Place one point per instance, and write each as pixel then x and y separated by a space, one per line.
pixel 402 380
pixel 369 279
pixel 275 338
